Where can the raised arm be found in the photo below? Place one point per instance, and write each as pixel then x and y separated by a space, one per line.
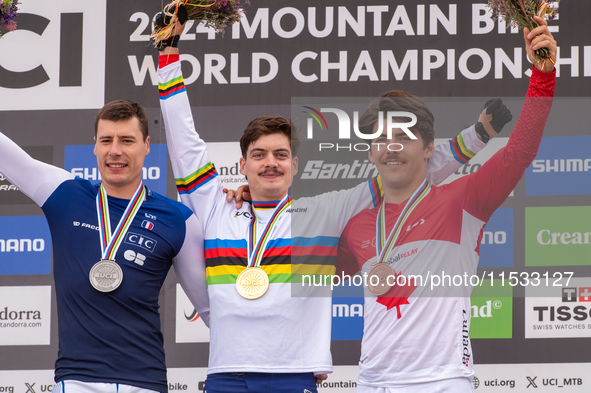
pixel 490 186
pixel 196 179
pixel 34 178
pixel 450 156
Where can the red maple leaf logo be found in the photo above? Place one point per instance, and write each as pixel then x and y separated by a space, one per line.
pixel 398 295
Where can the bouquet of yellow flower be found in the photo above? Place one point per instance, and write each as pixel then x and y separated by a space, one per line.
pixel 520 13
pixel 214 13
pixel 8 10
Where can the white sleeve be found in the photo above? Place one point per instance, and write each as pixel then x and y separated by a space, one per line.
pixel 451 155
pixel 189 266
pixel 196 179
pixel 34 178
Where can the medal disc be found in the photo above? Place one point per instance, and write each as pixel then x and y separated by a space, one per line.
pixel 252 283
pixel 106 276
pixel 379 286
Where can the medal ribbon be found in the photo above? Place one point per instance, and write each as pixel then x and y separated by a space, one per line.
pixel 383 245
pixel 257 248
pixel 110 242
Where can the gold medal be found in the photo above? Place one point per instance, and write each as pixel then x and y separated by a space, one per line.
pixel 106 276
pixel 377 281
pixel 252 283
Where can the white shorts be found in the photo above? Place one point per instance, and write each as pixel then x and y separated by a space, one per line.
pixel 454 385
pixel 71 386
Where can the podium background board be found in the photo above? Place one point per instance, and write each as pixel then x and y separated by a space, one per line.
pixel 67 59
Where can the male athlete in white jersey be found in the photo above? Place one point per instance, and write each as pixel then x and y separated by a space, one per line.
pixel 267 341
pixel 113 244
pixel 415 335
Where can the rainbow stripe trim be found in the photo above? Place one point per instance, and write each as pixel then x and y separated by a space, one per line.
pixel 255 250
pixel 284 260
pixel 110 242
pixel 259 205
pixel 171 88
pixel 460 151
pixel 187 185
pixel 383 245
pixel 376 190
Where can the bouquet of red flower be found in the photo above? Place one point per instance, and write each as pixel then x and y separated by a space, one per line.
pixel 214 13
pixel 8 10
pixel 520 13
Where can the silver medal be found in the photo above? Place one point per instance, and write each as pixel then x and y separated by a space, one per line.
pixel 106 276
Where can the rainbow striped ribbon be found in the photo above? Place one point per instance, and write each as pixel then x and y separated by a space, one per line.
pixel 257 248
pixel 110 242
pixel 383 245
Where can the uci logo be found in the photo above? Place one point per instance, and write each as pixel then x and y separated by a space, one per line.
pixel 243 214
pixel 62 65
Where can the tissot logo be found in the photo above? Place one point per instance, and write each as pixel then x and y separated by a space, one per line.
pixel 64 59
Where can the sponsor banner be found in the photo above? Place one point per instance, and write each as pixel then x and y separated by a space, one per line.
pixel 63 66
pixel 342 380
pixel 481 157
pixel 9 193
pixel 81 161
pixel 557 236
pixel 562 167
pixel 562 310
pixel 25 245
pixel 312 47
pixel 186 379
pixel 25 315
pixel 225 157
pixel 492 311
pixel 539 377
pixel 189 326
pixel 496 248
pixel 26 381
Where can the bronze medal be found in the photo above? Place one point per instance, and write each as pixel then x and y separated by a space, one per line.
pixel 380 286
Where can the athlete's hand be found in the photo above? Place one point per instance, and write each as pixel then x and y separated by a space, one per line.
pixel 164 18
pixel 540 37
pixel 493 118
pixel 240 195
pixel 321 377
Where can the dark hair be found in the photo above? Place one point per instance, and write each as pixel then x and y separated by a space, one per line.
pixel 122 110
pixel 400 101
pixel 268 125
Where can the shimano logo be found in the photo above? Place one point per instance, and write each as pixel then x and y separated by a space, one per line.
pixel 562 165
pixel 152 173
pixel 498 237
pixel 346 310
pixel 22 245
